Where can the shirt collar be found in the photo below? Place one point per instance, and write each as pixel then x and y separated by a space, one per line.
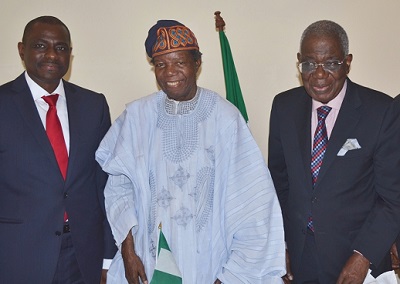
pixel 181 107
pixel 336 103
pixel 38 92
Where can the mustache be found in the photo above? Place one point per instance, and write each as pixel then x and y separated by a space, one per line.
pixel 50 60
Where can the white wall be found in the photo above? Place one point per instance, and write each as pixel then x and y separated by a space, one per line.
pixel 109 56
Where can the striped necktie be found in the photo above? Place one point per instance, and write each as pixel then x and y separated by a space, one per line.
pixel 319 147
pixel 320 142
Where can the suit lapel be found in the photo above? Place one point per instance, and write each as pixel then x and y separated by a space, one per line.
pixel 303 128
pixel 28 111
pixel 348 118
pixel 73 104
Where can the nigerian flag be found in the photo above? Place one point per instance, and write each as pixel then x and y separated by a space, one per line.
pixel 166 270
pixel 233 91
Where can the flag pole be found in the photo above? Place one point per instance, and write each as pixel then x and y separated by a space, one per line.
pixel 158 241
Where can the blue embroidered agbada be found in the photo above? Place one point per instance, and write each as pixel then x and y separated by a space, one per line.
pixel 194 167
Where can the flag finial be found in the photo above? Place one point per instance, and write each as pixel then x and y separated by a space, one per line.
pixel 219 21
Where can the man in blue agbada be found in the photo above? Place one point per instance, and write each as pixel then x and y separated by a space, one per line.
pixel 184 157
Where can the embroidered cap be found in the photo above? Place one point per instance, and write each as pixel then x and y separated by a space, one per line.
pixel 169 36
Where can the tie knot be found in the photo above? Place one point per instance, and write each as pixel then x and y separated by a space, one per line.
pixel 51 100
pixel 323 112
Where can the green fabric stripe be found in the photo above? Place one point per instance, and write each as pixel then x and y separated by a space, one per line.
pixel 162 243
pixel 232 86
pixel 164 278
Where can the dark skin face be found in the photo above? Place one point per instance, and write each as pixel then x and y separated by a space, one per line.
pixel 321 85
pixel 176 74
pixel 46 53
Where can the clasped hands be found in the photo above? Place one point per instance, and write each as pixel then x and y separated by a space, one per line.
pixel 354 271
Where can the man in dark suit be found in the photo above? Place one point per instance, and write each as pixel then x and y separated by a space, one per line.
pixel 339 191
pixel 53 227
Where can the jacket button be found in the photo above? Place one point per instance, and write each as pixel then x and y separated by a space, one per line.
pixel 65 195
pixel 314 199
pixel 58 233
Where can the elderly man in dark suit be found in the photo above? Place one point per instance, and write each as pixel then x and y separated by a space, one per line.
pixel 53 227
pixel 334 159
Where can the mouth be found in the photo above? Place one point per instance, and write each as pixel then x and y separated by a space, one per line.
pixel 50 66
pixel 173 83
pixel 321 89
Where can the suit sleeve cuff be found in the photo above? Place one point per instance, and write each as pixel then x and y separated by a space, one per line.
pixel 356 251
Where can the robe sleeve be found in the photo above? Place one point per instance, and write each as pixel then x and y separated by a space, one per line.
pixel 253 218
pixel 112 155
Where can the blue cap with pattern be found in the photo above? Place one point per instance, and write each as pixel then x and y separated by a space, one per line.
pixel 169 36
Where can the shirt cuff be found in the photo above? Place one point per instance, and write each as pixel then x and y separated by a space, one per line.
pixel 106 263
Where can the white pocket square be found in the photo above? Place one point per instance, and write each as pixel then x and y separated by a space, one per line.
pixel 350 144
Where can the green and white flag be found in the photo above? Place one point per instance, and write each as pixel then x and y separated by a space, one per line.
pixel 232 86
pixel 166 270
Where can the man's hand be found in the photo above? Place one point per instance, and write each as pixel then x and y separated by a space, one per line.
pixel 103 279
pixel 134 268
pixel 394 254
pixel 288 277
pixel 355 270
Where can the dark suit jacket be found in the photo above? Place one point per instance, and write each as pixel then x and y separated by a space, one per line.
pixel 34 196
pixel 356 202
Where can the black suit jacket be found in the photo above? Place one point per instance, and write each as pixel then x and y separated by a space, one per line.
pixel 34 196
pixel 356 201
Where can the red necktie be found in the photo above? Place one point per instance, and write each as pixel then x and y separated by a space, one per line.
pixel 56 137
pixel 55 134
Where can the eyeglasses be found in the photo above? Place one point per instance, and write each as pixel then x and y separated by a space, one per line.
pixel 310 67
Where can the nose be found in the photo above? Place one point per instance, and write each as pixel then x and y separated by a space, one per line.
pixel 320 72
pixel 51 53
pixel 171 70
